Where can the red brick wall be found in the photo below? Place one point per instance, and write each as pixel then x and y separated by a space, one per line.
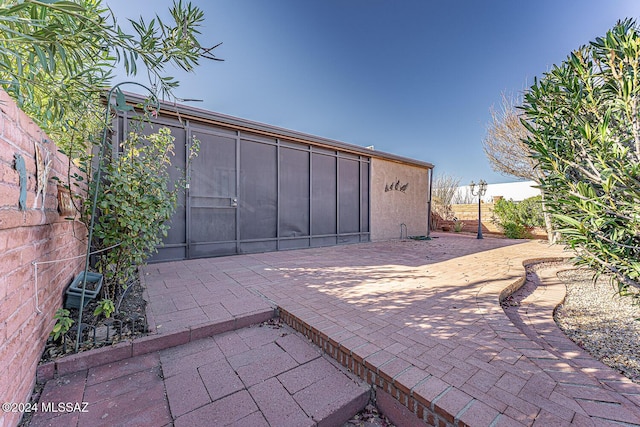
pixel 34 235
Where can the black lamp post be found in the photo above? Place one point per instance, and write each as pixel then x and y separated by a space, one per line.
pixel 481 191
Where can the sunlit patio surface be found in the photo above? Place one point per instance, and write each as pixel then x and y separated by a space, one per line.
pixel 418 320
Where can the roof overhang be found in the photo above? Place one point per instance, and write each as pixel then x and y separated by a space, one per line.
pixel 186 112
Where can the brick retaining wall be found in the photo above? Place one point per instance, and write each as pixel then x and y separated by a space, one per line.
pixel 35 234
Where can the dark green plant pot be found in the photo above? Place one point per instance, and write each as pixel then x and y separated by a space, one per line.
pixel 74 291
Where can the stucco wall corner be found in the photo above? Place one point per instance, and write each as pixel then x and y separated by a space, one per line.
pixel 399 195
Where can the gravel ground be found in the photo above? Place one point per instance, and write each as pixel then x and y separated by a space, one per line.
pixel 601 322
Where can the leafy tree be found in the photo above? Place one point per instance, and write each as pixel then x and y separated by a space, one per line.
pixel 504 144
pixel 585 135
pixel 57 57
pixel 507 151
pixel 56 60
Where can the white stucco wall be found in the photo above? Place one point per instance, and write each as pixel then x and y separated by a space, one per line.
pixel 516 191
pixel 399 195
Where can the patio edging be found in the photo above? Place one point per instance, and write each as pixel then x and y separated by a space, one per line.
pixel 145 344
pixel 518 283
pixel 561 344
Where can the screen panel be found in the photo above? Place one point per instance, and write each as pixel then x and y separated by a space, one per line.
pixel 323 241
pixel 323 189
pixel 349 195
pixel 364 196
pixel 213 225
pixel 349 238
pixel 177 232
pixel 168 254
pixel 294 193
pixel 294 244
pixel 213 171
pixel 212 196
pixel 258 190
pixel 257 247
pixel 205 250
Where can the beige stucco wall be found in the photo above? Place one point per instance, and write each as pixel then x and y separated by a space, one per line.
pixel 393 207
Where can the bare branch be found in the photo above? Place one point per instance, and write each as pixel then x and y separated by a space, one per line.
pixel 444 189
pixel 504 146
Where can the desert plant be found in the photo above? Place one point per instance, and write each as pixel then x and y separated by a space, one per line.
pixel 583 117
pixel 507 217
pixel 530 212
pixel 513 230
pixel 57 57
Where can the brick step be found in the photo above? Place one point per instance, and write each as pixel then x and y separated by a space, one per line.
pixel 147 344
pixel 270 369
pixel 266 374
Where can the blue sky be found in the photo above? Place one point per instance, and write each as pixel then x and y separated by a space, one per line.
pixel 414 78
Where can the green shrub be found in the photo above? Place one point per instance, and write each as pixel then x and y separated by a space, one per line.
pixel 135 204
pixel 516 218
pixel 106 307
pixel 63 323
pixel 514 230
pixel 530 211
pixel 585 136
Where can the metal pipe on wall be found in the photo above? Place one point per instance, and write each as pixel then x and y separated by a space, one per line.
pixel 430 175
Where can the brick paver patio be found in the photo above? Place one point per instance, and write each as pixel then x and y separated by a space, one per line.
pixel 419 319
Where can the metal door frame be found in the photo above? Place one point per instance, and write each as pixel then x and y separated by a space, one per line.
pixel 190 132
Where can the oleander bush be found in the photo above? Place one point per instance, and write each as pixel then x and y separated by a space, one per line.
pixel 584 120
pixel 57 58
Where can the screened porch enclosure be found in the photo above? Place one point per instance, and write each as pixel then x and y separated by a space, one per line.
pixel 251 193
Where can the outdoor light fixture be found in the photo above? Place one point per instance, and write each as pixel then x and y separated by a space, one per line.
pixel 480 191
